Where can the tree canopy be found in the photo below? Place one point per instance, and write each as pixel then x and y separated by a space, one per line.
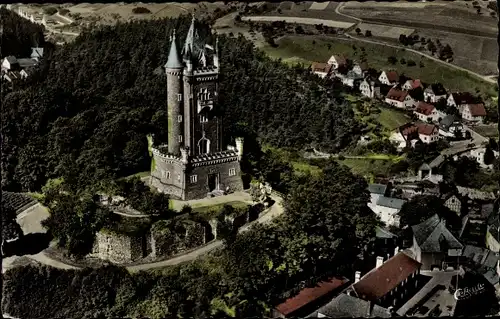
pixel 87 116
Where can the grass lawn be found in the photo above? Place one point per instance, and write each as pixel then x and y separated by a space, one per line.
pixel 292 47
pixel 391 119
pixel 487 130
pixel 301 167
pixel 209 212
pixel 368 167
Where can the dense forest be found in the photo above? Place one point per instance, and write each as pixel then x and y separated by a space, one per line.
pixel 86 116
pixel 255 270
pixel 19 35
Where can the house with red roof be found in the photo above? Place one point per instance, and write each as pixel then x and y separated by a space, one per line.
pixel 399 98
pixel 337 61
pixel 411 85
pixel 321 69
pixel 390 284
pixel 426 112
pixel 310 299
pixel 407 134
pixel 473 113
pixel 458 99
pixel 389 78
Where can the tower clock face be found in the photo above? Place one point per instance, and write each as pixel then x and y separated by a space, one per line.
pixel 204 99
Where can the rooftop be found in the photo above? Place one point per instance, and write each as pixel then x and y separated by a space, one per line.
pixel 380 281
pixel 321 67
pixel 308 295
pixel 433 236
pixel 463 98
pixel 377 189
pixel 392 76
pixel 424 108
pixel 383 233
pixel 397 94
pixel 477 109
pixel 390 202
pixel 436 89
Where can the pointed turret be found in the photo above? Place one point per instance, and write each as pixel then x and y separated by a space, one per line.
pixel 189 44
pixel 174 61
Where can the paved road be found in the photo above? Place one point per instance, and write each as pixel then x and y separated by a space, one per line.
pixel 483 77
pixel 275 211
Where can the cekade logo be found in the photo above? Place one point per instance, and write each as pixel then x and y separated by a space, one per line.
pixel 466 293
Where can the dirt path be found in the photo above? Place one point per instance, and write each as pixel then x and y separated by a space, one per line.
pixel 482 77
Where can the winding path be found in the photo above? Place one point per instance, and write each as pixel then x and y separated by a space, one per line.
pixel 482 77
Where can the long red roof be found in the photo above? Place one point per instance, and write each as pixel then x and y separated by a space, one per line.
pixel 308 295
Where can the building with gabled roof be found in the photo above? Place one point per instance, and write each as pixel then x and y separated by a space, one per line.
pixel 310 298
pixel 346 306
pixel 370 87
pixel 434 93
pixel 450 125
pixel 433 243
pixel 337 61
pixel 426 112
pixel 399 98
pixel 473 113
pixel 390 283
pixel 457 99
pixel 389 77
pixel 321 69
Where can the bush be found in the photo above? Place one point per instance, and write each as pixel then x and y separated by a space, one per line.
pixel 392 60
pixel 402 61
pixel 368 33
pixel 140 10
pixel 50 10
pixel 411 63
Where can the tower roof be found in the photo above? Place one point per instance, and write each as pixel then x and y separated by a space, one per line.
pixel 174 61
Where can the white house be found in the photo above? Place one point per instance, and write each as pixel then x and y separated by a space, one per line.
pixel 389 78
pixel 406 134
pixel 478 155
pixel 426 112
pixel 454 204
pixel 10 63
pixel 370 88
pixel 350 79
pixel 473 113
pixel 450 125
pixel 360 69
pixel 434 93
pixel 321 69
pixel 387 208
pixel 337 61
pixel 411 85
pixel 399 98
pixel 428 133
pixel 458 99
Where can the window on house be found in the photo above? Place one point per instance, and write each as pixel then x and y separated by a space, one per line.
pixel 168 175
pixel 193 178
pixel 232 172
pixel 203 119
pixel 179 118
pixel 178 177
pixel 180 138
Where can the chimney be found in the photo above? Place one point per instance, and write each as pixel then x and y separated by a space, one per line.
pixel 380 261
pixel 396 250
pixel 357 276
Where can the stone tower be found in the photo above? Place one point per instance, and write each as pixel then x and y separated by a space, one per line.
pixel 194 163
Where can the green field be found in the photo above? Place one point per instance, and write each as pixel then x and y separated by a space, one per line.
pixel 369 167
pixel 487 130
pixel 292 48
pixel 391 119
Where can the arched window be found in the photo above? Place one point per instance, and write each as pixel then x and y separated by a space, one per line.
pixel 204 146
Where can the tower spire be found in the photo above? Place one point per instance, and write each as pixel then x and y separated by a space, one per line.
pixel 173 61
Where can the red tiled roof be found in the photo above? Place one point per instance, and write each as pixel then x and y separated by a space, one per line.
pixel 424 108
pixel 421 128
pixel 477 109
pixel 321 67
pixel 340 59
pixel 307 295
pixel 397 94
pixel 392 76
pixel 463 98
pixel 416 84
pixel 380 281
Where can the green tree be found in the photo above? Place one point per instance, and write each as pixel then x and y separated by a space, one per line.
pixel 422 207
pixel 489 156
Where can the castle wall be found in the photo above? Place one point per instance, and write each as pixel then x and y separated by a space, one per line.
pixel 172 185
pixel 200 188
